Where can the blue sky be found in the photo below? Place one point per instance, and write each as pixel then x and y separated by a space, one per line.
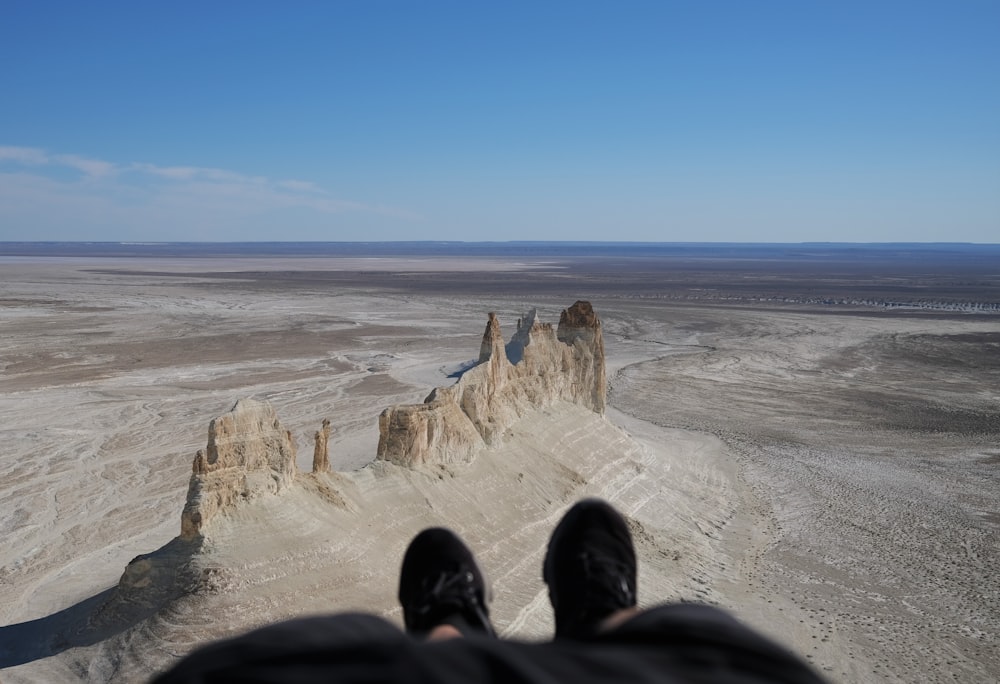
pixel 706 120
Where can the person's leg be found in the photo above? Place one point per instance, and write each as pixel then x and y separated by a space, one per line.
pixel 441 588
pixel 444 632
pixel 698 639
pixel 306 649
pixel 590 569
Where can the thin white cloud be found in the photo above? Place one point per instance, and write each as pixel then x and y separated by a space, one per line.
pixel 25 155
pixel 95 168
pixel 301 186
pixel 199 173
pixel 32 156
pixel 142 193
pixel 172 172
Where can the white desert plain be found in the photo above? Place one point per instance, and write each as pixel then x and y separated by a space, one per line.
pixel 811 442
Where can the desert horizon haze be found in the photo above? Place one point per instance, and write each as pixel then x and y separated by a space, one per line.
pixel 807 436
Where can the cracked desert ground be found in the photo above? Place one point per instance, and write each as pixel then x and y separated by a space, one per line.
pixel 828 472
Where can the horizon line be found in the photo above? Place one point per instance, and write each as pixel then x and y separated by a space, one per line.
pixel 811 243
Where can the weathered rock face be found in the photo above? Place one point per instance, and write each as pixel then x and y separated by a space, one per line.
pixel 249 453
pixel 579 325
pixel 537 367
pixel 321 450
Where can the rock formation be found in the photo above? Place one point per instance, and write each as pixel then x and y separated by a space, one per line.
pixel 321 451
pixel 539 366
pixel 249 453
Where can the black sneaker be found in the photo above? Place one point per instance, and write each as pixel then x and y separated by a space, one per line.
pixel 590 568
pixel 440 583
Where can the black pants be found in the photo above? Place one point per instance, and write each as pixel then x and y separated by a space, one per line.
pixel 675 643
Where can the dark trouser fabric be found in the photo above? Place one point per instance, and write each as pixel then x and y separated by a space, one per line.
pixel 665 645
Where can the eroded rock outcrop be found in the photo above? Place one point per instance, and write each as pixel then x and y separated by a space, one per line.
pixel 248 454
pixel 321 450
pixel 537 367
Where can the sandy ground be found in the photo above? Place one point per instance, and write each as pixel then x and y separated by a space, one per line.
pixel 829 477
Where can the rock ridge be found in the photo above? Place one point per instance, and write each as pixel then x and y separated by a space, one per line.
pixel 250 454
pixel 537 367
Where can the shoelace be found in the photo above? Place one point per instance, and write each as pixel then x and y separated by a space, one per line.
pixel 455 589
pixel 607 574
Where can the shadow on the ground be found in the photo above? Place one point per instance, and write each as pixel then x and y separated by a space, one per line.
pixel 150 582
pixel 462 369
